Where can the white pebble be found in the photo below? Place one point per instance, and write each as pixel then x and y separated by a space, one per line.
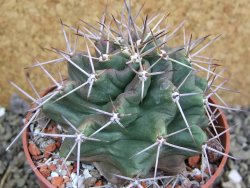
pixel 74 179
pixel 82 186
pixel 2 111
pixel 49 178
pixel 69 184
pixel 80 182
pixel 31 127
pixel 68 163
pixel 89 167
pixel 234 176
pixel 37 131
pixel 55 161
pixel 86 174
pixel 196 172
pixel 54 174
pixel 73 175
pixel 84 165
pixel 63 172
pixel 59 127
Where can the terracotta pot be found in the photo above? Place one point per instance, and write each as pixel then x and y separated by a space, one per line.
pixel 225 139
pixel 42 181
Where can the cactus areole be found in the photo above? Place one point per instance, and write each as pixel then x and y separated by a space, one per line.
pixel 132 103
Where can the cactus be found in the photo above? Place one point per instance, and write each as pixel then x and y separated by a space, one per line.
pixel 131 102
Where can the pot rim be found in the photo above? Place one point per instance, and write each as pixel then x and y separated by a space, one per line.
pixel 225 137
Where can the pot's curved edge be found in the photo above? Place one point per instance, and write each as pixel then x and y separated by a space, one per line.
pixel 44 183
pixel 226 140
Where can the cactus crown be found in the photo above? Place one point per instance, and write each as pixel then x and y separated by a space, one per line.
pixel 131 102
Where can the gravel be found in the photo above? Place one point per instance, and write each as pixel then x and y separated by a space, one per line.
pixel 236 172
pixel 15 172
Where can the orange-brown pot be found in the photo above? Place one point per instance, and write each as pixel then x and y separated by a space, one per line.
pixel 225 140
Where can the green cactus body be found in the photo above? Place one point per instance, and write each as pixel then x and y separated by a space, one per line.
pixel 146 117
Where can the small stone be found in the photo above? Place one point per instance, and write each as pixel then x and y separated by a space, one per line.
pixel 62 186
pixel 70 167
pixel 18 160
pixel 37 131
pixel 194 161
pixel 144 185
pixel 98 183
pixel 7 135
pixel 241 140
pixel 52 167
pixel 49 149
pixel 49 178
pixel 89 182
pixel 235 176
pixel 66 179
pixel 2 129
pixel 198 178
pixel 230 163
pixel 248 180
pixel 230 184
pixel 31 127
pixel 57 181
pixel 197 175
pixel 73 175
pixel 69 184
pixel 18 105
pixel 2 111
pixel 21 182
pixel 196 171
pixel 68 163
pixel 59 127
pixel 54 174
pixel 52 129
pixel 244 166
pixel 186 183
pixel 60 161
pixel 2 167
pixel 89 167
pixel 86 174
pixel 55 161
pixel 213 156
pixel 95 173
pixel 242 155
pixel 78 181
pixel 194 184
pixel 58 144
pixel 45 171
pixel 33 149
pixel 63 172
